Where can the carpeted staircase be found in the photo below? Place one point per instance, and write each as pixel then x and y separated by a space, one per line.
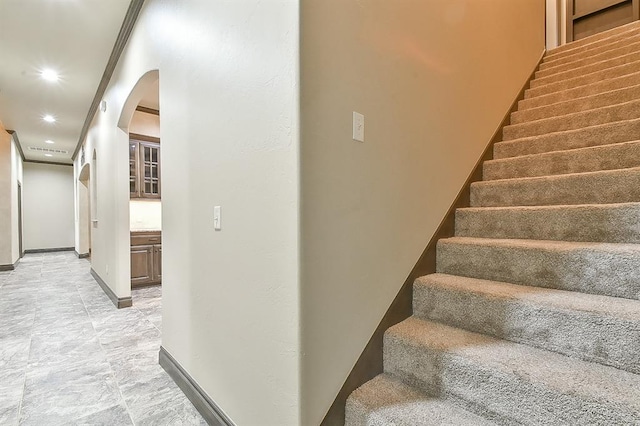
pixel 533 316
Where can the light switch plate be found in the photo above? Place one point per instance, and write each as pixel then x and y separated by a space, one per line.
pixel 216 218
pixel 358 127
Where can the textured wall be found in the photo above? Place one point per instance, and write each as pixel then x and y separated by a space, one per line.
pixel 51 186
pixel 229 95
pixel 16 176
pixel 433 79
pixel 6 202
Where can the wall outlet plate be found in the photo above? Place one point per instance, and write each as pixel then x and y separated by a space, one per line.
pixel 358 127
pixel 217 225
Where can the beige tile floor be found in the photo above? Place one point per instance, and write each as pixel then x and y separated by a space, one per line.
pixel 69 357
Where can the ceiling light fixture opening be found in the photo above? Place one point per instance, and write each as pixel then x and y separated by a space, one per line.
pixel 49 141
pixel 49 118
pixel 48 155
pixel 49 75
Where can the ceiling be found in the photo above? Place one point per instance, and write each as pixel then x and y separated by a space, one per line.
pixel 150 98
pixel 72 37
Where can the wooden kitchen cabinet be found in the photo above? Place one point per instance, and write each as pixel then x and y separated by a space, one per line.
pixel 157 262
pixel 144 169
pixel 146 258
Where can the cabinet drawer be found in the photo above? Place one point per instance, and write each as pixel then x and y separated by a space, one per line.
pixel 143 239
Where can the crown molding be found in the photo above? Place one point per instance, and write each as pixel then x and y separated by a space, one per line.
pixel 121 41
pixel 14 135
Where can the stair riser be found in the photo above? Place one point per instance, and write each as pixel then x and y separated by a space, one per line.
pixel 507 395
pixel 594 136
pixel 611 272
pixel 577 334
pixel 586 69
pixel 606 224
pixel 601 39
pixel 355 414
pixel 609 157
pixel 597 188
pixel 578 105
pixel 386 401
pixel 580 92
pixel 625 111
pixel 604 52
pixel 584 80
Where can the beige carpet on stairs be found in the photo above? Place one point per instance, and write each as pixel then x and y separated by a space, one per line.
pixel 533 316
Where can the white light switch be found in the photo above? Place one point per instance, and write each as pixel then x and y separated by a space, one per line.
pixel 358 127
pixel 216 218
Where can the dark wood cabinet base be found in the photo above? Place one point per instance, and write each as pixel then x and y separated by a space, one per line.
pixel 146 284
pixel 146 258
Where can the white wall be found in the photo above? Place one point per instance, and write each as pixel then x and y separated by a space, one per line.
pixel 82 184
pixel 48 206
pixel 83 225
pixel 433 79
pixel 553 24
pixel 563 21
pixel 556 23
pixel 6 201
pixel 145 215
pixel 229 96
pixel 16 176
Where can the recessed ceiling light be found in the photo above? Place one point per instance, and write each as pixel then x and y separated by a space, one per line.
pixel 49 118
pixel 49 141
pixel 49 75
pixel 48 155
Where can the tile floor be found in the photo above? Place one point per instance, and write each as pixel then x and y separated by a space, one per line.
pixel 69 357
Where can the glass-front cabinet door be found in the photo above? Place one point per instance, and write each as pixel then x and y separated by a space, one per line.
pixel 144 169
pixel 150 166
pixel 134 187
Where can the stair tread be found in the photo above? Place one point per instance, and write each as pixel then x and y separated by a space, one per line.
pixel 583 80
pixel 574 135
pixel 593 54
pixel 589 267
pixel 603 36
pixel 538 155
pixel 387 400
pixel 596 187
pixel 594 328
pixel 550 245
pixel 546 369
pixel 574 120
pixel 615 97
pixel 593 67
pixel 576 93
pixel 617 156
pixel 614 223
pixel 630 103
pixel 605 306
pixel 559 207
pixel 556 178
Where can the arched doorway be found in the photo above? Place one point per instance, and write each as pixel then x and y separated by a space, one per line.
pixel 84 211
pixel 140 120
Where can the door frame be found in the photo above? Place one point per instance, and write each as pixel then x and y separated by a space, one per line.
pixel 610 3
pixel 20 246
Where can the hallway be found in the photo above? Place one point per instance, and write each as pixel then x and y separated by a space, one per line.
pixel 68 356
